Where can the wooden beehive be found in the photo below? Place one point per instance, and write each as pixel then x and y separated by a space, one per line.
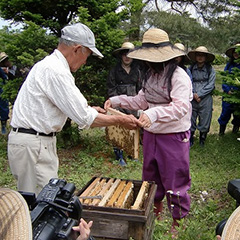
pixel 123 138
pixel 120 209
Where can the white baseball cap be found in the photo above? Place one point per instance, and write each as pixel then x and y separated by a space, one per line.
pixel 81 34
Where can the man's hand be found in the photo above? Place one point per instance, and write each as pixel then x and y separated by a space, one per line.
pixel 84 229
pixel 100 110
pixel 144 119
pixel 196 97
pixel 129 122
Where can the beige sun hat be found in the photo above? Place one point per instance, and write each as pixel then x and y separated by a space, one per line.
pixel 230 50
pixel 183 48
pixel 15 221
pixel 3 56
pixel 156 47
pixel 232 226
pixel 209 56
pixel 125 46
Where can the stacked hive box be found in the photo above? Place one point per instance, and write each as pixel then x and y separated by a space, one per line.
pixel 120 209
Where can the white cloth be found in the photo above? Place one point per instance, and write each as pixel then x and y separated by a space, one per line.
pixel 33 160
pixel 48 96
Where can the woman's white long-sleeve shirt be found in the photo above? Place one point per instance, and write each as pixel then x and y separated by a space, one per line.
pixel 48 96
pixel 171 117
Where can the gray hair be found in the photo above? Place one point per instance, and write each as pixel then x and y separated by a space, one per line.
pixel 67 42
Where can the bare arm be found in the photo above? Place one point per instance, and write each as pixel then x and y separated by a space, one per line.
pixel 127 121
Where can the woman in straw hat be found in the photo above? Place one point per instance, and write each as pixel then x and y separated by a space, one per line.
pixel 228 108
pixel 184 59
pixel 124 78
pixel 165 99
pixel 203 80
pixel 15 220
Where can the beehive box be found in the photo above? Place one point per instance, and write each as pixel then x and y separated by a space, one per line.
pixel 111 221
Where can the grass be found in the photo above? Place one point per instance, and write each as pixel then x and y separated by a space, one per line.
pixel 211 169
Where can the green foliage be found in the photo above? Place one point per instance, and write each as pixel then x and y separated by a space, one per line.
pixel 219 59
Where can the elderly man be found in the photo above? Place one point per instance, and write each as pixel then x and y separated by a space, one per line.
pixel 46 99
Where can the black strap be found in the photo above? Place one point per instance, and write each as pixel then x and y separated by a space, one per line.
pixel 32 131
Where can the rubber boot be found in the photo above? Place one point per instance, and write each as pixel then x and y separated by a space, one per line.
pixel 158 208
pixel 203 136
pixel 192 138
pixel 121 160
pixel 174 230
pixel 4 124
pixel 235 129
pixel 222 129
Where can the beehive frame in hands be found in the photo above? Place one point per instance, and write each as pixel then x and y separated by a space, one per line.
pixel 123 138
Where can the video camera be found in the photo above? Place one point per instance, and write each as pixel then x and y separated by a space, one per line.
pixel 55 211
pixel 234 191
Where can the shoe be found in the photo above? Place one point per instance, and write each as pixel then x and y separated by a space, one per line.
pixel 158 208
pixel 222 130
pixel 203 136
pixel 235 129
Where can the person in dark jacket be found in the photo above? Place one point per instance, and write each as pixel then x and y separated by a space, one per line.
pixel 203 80
pixel 228 108
pixel 124 78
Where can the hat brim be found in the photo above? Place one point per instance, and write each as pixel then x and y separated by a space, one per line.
pixel 96 52
pixel 229 52
pixel 117 52
pixel 14 215
pixel 156 54
pixel 232 226
pixel 209 56
pixel 2 59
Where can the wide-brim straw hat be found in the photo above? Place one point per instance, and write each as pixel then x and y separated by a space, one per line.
pixel 126 46
pixel 156 47
pixel 230 50
pixel 209 56
pixel 3 56
pixel 15 221
pixel 183 48
pixel 232 226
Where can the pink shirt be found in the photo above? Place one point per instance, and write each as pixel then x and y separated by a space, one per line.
pixel 166 118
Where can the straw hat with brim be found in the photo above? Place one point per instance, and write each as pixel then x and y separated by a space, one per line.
pixel 209 56
pixel 185 56
pixel 126 46
pixel 156 47
pixel 3 56
pixel 232 226
pixel 15 221
pixel 230 51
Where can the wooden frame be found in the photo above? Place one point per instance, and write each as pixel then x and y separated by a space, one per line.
pixel 123 138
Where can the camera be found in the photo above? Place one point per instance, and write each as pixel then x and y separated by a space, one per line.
pixel 234 191
pixel 55 211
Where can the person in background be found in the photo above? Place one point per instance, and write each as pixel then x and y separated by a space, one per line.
pixel 228 108
pixel 184 59
pixel 8 72
pixel 165 99
pixel 124 78
pixel 203 81
pixel 46 99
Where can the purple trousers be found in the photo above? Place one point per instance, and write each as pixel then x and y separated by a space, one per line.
pixel 166 162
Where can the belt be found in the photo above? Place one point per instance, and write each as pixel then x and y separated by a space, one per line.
pixel 32 131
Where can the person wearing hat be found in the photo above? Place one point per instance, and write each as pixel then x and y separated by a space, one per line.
pixel 124 78
pixel 203 81
pixel 165 99
pixel 46 99
pixel 183 60
pixel 228 108
pixel 15 220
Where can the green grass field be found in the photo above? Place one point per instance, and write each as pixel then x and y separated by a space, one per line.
pixel 211 169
